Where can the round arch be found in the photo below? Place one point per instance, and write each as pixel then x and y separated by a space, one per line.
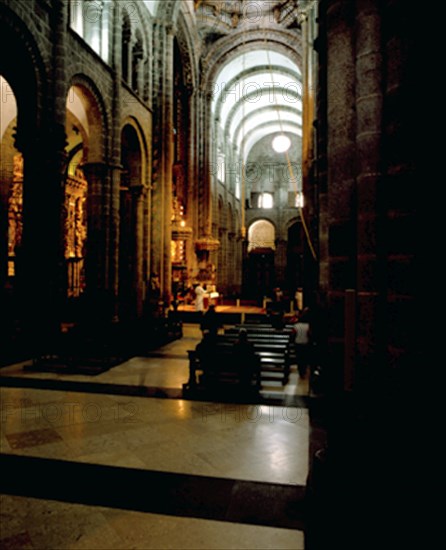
pixel 240 92
pixel 25 84
pixel 281 41
pixel 258 72
pixel 83 95
pixel 132 153
pixel 186 46
pixel 261 234
pixel 28 83
pixel 137 128
pixel 131 229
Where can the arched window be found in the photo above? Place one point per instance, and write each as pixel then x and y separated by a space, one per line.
pixel 137 63
pixel 221 167
pixel 89 19
pixel 265 201
pixel 125 46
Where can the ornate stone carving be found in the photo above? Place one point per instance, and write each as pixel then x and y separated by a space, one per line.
pixel 75 215
pixel 207 243
pixel 15 206
pixel 180 231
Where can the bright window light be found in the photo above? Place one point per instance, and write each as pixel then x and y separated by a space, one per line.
pixel 265 200
pixel 281 144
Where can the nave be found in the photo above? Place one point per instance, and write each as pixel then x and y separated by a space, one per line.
pixel 119 460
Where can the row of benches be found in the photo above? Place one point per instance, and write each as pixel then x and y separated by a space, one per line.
pixel 219 363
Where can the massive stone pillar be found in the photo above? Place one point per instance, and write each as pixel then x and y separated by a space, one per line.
pixel 163 154
pixel 341 145
pixel 280 260
pixel 371 280
pixel 207 167
pixel 138 282
pixel 115 167
pixel 206 244
pixel 310 211
pixel 319 168
pixel 192 206
pixel 367 69
pixel 96 261
pixel 402 183
pixel 41 264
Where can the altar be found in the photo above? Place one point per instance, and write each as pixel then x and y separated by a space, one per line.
pixel 212 298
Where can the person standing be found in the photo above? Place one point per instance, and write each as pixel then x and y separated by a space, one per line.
pixel 302 344
pixel 199 298
pixel 210 322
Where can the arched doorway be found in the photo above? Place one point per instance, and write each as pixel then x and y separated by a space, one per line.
pixel 130 231
pixel 11 213
pixel 77 129
pixel 11 185
pixel 259 277
pixel 85 228
pixel 29 211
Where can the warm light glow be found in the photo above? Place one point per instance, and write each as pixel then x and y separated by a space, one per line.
pixel 261 234
pixel 281 144
pixel 177 252
pixel 265 200
pixel 8 107
pixel 299 199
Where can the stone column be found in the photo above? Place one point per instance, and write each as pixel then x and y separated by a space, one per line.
pixel 207 159
pixel 370 265
pixel 138 199
pixel 231 259
pixel 310 275
pixel 41 265
pixel 320 164
pixel 206 245
pixel 280 260
pixel 341 79
pixel 400 193
pixel 163 154
pixel 192 206
pixel 115 167
pixel 96 261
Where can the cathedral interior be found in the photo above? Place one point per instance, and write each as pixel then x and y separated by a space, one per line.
pixel 251 147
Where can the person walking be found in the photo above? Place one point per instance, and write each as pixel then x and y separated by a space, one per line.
pixel 302 341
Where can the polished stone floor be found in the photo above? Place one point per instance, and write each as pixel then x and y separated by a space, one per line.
pixel 184 474
pixel 37 523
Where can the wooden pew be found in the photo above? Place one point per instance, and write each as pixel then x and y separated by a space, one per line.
pixel 272 354
pixel 266 332
pixel 218 369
